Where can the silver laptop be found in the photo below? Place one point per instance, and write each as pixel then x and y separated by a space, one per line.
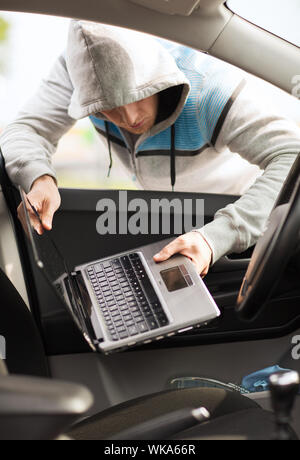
pixel 127 299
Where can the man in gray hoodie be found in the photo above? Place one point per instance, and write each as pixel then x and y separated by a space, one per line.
pixel 172 115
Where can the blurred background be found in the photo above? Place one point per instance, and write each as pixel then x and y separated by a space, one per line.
pixel 29 45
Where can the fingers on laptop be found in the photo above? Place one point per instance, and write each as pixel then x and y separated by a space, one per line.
pixel 191 245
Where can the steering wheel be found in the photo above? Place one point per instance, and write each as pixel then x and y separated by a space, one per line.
pixel 273 250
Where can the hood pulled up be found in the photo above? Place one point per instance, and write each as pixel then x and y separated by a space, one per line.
pixel 110 67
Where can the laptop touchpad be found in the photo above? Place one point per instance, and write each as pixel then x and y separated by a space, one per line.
pixel 175 278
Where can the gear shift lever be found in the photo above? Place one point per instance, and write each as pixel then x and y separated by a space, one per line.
pixel 284 387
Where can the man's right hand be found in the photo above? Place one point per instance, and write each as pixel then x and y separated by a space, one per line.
pixel 45 197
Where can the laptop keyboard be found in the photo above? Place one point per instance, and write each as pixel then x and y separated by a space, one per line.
pixel 126 297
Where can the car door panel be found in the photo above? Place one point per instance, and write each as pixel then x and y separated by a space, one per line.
pixel 76 236
pixel 75 227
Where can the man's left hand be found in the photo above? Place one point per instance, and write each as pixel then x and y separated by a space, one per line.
pixel 192 245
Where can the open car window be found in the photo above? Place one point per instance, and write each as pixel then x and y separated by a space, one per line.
pixel 81 160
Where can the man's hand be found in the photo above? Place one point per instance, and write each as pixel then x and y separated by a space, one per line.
pixel 192 245
pixel 45 197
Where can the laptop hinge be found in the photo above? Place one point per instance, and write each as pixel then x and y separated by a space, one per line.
pixel 85 304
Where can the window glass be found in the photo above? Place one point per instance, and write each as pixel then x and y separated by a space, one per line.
pixel 277 16
pixel 29 48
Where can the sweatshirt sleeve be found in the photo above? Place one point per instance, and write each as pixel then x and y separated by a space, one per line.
pixel 31 139
pixel 267 140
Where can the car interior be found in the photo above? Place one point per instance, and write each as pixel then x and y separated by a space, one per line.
pixel 52 386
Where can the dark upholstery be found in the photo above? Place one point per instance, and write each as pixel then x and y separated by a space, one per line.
pixel 249 424
pixel 114 420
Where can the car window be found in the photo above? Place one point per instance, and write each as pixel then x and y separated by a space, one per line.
pixel 280 18
pixel 81 160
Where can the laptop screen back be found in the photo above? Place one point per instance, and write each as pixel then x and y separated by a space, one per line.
pixel 52 264
pixel 46 253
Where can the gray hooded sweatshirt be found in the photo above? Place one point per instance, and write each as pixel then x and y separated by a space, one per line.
pixel 212 114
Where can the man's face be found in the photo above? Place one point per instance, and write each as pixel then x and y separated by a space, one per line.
pixel 137 118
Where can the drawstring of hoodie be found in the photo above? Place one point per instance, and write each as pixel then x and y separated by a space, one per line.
pixel 173 158
pixel 172 154
pixel 109 148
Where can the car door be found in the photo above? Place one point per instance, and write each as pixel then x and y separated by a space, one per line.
pixel 75 233
pixel 207 351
